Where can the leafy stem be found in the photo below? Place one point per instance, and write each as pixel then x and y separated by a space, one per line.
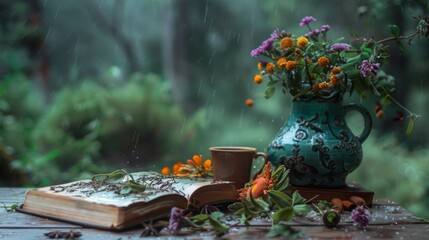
pixel 398 37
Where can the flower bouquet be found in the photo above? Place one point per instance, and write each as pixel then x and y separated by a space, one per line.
pixel 312 67
pixel 315 143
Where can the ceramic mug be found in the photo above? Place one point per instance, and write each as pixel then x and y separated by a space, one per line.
pixel 235 164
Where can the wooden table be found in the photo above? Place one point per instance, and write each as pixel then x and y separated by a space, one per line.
pixel 389 221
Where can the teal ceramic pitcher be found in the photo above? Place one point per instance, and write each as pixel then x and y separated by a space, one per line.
pixel 317 145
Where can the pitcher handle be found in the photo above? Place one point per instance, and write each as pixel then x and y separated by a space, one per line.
pixel 366 117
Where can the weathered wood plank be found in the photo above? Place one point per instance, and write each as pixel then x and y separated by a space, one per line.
pixel 12 194
pixel 315 232
pixel 20 220
pixel 389 221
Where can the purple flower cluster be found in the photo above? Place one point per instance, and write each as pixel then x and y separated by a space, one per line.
pixel 306 20
pixel 361 216
pixel 369 69
pixel 338 47
pixel 314 33
pixel 176 217
pixel 325 28
pixel 266 45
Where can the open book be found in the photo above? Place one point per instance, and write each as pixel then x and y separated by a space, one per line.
pixel 102 206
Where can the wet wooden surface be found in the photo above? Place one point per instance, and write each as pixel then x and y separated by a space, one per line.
pixel 389 221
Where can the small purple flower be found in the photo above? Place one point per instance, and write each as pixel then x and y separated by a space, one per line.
pixel 267 44
pixel 361 216
pixel 325 28
pixel 176 217
pixel 369 69
pixel 314 33
pixel 338 47
pixel 276 34
pixel 306 20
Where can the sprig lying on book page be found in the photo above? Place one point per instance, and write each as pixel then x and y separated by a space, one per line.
pixel 128 183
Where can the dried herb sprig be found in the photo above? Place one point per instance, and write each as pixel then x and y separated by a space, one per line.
pixel 62 234
pixel 127 181
pixel 10 208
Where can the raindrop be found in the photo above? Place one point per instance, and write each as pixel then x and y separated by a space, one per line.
pixel 47 35
pixel 58 10
pixel 207 10
pixel 211 58
pixel 241 119
pixel 199 88
pixel 183 125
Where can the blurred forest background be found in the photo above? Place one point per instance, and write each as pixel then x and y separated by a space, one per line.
pixel 88 86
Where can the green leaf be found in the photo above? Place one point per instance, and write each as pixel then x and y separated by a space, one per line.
pixel 199 219
pixel 410 126
pixel 248 211
pixel 281 199
pixel 11 208
pixel 217 214
pixel 284 214
pixel 394 30
pixel 385 101
pixel 284 230
pixel 279 170
pixel 282 182
pixel 269 92
pixel 126 189
pixel 259 205
pixel 244 220
pixel 235 207
pixel 297 198
pixel 302 209
pixel 189 222
pixel 136 186
pixel 217 226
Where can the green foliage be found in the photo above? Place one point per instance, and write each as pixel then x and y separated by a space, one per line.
pixel 90 128
pixel 10 208
pixel 404 173
pixel 286 231
pixel 207 222
pixel 285 207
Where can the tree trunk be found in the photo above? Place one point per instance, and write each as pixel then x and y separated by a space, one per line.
pixel 114 29
pixel 174 51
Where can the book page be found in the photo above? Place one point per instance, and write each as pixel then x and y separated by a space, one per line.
pixel 108 193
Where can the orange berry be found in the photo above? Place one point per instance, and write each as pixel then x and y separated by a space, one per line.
pixel 281 62
pixel 323 61
pixel 379 114
pixel 165 171
pixel 207 164
pixel 334 80
pixel 336 70
pixel 323 85
pixel 249 102
pixel 270 67
pixel 290 65
pixel 198 159
pixel 315 87
pixel 257 79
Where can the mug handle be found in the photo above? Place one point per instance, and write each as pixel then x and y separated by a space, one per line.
pixel 265 156
pixel 366 117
